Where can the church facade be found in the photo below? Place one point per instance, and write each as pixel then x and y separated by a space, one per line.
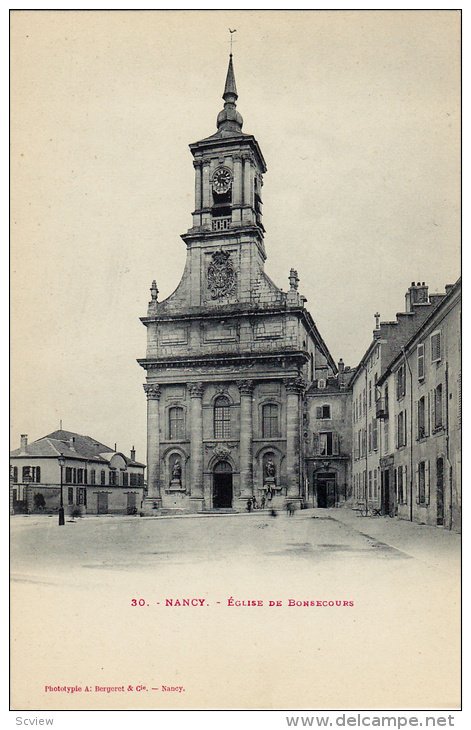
pixel 230 356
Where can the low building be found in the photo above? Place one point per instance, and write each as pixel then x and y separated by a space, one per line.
pixel 420 407
pixel 93 478
pixel 328 439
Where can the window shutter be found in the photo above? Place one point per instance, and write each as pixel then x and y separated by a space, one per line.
pixel 316 443
pixel 432 408
pixel 417 435
pixel 335 444
pixel 38 473
pixel 405 485
pixel 417 490
pixel 405 428
pixel 397 432
pixel 420 362
pixel 427 482
pixel 318 412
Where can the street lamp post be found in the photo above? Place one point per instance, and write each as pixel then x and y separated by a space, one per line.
pixel 61 461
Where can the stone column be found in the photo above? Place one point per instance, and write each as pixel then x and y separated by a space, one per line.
pixel 196 446
pixel 294 389
pixel 246 436
pixel 153 499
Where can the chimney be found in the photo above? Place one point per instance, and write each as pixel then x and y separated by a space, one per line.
pixel 23 442
pixel 416 294
pixel 341 366
pixel 72 443
pixel 133 454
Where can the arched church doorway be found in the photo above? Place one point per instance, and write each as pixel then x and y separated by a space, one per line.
pixel 222 485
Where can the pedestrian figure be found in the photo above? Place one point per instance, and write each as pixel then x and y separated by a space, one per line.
pixel 290 508
pixel 254 502
pixel 262 502
pixel 273 512
pixel 249 505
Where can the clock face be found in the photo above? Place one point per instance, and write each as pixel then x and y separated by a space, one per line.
pixel 222 180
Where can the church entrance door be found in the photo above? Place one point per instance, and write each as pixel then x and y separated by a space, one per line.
pixel 222 485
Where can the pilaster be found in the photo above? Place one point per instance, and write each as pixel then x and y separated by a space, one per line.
pixel 196 446
pixel 294 389
pixel 246 436
pixel 153 499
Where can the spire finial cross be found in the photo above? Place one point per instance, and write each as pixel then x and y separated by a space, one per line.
pixel 231 39
pixel 377 316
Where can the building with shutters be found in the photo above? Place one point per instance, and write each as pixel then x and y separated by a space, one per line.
pixel 229 354
pixel 96 479
pixel 419 407
pixel 328 438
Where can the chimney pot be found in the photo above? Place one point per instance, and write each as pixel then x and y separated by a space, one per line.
pixel 24 441
pixel 133 454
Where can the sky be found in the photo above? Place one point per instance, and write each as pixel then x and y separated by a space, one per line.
pixel 357 115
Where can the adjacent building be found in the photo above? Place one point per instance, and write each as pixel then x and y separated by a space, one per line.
pixel 328 439
pixel 93 478
pixel 419 408
pixel 371 445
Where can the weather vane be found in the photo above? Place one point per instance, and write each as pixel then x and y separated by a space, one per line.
pixel 231 32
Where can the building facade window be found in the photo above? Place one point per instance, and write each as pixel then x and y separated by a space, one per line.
pixel 15 474
pixel 113 477
pixel 323 412
pixel 375 484
pixel 370 485
pixel 222 418
pixel 125 479
pixel 421 362
pixel 369 394
pixel 436 346
pixel 68 475
pixel 370 438
pixel 79 476
pixel 421 418
pixel 438 407
pixel 176 423
pixel 70 495
pixel 93 476
pixel 401 429
pixel 327 444
pixel 82 496
pixel 423 482
pixel 270 427
pixel 375 433
pixel 102 477
pixel 401 382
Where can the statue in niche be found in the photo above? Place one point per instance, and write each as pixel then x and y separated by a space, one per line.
pixel 177 472
pixel 270 471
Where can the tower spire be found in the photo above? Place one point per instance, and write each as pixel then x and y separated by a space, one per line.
pixel 229 119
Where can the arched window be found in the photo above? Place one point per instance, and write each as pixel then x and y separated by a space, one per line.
pixel 270 421
pixel 222 418
pixel 175 423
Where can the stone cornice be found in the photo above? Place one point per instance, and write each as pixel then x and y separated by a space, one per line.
pixel 297 357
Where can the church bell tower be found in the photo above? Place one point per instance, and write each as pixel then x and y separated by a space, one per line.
pixel 228 352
